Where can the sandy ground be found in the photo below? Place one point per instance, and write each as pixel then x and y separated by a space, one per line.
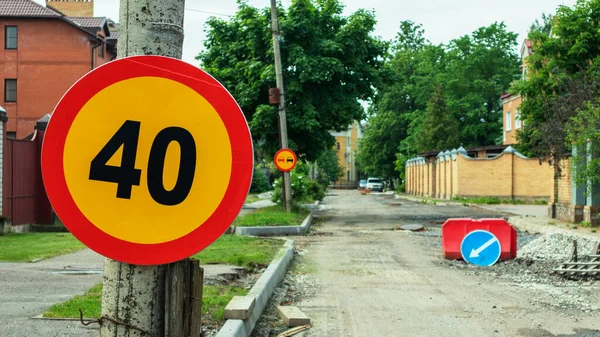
pixel 355 277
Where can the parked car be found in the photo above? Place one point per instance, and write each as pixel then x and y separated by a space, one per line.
pixel 362 184
pixel 375 184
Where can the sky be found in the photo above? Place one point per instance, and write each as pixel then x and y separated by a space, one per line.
pixel 443 20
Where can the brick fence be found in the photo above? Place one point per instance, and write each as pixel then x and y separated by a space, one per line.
pixel 453 174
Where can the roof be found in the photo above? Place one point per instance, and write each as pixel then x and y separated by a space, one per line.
pixel 92 24
pixel 25 8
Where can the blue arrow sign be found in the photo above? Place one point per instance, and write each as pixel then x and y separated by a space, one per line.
pixel 481 248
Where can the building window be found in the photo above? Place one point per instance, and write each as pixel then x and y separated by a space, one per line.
pixel 10 37
pixel 349 158
pixel 101 50
pixel 11 134
pixel 10 90
pixel 517 120
pixel 348 140
pixel 508 121
pixel 337 145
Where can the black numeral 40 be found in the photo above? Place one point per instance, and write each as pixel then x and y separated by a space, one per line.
pixel 126 175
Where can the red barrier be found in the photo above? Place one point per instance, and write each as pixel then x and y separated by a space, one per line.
pixel 454 230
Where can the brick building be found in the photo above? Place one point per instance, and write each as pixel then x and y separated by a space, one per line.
pixel 44 51
pixel 511 121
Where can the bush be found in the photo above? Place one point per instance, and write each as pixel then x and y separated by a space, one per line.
pixel 303 189
pixel 260 182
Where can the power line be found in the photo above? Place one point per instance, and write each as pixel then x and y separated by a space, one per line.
pixel 205 12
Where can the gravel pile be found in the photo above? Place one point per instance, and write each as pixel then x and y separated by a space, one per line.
pixel 555 247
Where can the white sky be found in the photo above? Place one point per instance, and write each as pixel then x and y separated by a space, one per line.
pixel 443 20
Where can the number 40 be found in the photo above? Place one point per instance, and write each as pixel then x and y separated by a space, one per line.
pixel 126 175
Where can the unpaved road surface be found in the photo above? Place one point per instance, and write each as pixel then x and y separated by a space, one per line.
pixel 356 277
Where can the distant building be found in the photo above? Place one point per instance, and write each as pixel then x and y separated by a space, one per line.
pixel 44 51
pixel 75 8
pixel 511 119
pixel 346 145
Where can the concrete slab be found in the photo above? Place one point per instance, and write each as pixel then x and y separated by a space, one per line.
pixel 240 307
pixel 292 316
pixel 276 230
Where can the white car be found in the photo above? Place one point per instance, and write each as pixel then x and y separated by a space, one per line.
pixel 375 184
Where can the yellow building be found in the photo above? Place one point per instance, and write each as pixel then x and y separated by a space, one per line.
pixel 346 145
pixel 511 117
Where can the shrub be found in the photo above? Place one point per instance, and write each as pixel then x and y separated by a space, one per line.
pixel 260 182
pixel 303 189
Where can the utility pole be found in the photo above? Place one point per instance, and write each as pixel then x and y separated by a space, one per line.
pixel 148 300
pixel 286 183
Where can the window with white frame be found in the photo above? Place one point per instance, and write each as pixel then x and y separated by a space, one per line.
pixel 518 124
pixel 508 121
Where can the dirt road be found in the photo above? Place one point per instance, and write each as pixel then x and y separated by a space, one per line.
pixel 359 278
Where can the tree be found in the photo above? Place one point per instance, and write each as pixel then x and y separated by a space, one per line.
pixel 558 64
pixel 440 129
pixel 330 62
pixel 545 26
pixel 479 69
pixel 330 164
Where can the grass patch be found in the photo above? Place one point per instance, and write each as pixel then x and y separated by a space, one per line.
pixel 29 246
pixel 593 231
pixel 272 216
pixel 585 224
pixel 90 304
pixel 489 201
pixel 241 251
pixel 214 301
pixel 252 198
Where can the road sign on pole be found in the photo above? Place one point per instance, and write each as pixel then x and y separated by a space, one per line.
pixel 143 187
pixel 480 247
pixel 285 160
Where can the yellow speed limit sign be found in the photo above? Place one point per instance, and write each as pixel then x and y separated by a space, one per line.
pixel 147 160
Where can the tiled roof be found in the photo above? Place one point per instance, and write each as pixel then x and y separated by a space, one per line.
pixel 87 22
pixel 114 35
pixel 25 8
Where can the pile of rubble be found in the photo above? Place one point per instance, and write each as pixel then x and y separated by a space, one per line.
pixel 555 246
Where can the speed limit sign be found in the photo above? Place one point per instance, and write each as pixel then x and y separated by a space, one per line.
pixel 147 160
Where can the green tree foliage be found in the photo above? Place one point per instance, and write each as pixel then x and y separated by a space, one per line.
pixel 440 129
pixel 330 62
pixel 473 71
pixel 329 163
pixel 260 182
pixel 543 26
pixel 555 88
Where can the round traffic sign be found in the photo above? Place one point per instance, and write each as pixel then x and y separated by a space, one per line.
pixel 480 247
pixel 285 160
pixel 147 160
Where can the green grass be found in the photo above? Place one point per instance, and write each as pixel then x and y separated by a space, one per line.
pixel 29 246
pixel 585 224
pixel 251 198
pixel 272 216
pixel 214 301
pixel 241 251
pixel 489 201
pixel 89 303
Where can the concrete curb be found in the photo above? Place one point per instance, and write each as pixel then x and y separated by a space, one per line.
pixel 534 225
pixel 276 230
pixel 261 292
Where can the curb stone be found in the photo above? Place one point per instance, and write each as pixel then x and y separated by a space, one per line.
pixel 261 291
pixel 529 224
pixel 276 230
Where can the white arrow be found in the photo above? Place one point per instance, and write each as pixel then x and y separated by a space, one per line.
pixel 475 252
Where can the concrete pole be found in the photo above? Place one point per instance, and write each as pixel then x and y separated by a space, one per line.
pixel 136 294
pixel 287 183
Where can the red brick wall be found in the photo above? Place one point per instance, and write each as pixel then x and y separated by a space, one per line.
pixel 51 56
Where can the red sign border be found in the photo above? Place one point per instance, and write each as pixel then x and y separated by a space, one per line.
pixel 140 66
pixel 285 150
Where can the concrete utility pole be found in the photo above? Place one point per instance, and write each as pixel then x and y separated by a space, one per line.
pixel 142 300
pixel 286 183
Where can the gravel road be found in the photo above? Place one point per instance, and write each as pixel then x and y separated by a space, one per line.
pixel 355 276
